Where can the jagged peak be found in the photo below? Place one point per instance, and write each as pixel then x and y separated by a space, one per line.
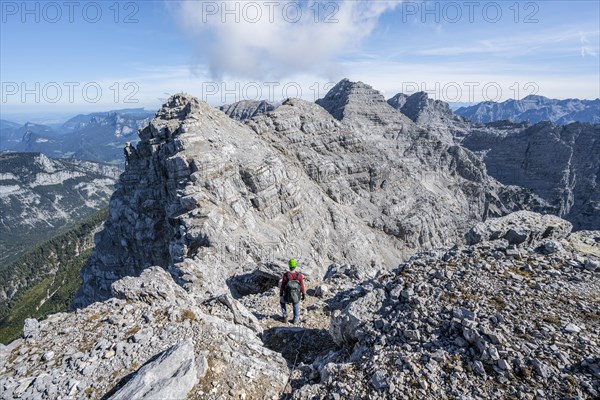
pixel 418 104
pixel 398 100
pixel 535 97
pixel 180 106
pixel 302 108
pixel 346 87
pixel 346 92
pixel 178 113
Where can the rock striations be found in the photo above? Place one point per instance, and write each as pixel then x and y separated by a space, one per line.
pixel 246 109
pixel 209 207
pixel 423 110
pixel 151 328
pixel 561 164
pixel 201 189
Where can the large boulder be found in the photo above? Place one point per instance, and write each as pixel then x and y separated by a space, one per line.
pixel 171 375
pixel 154 284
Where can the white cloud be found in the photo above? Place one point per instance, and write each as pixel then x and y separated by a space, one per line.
pixel 585 48
pixel 276 39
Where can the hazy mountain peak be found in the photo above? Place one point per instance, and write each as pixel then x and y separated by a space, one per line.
pixel 534 108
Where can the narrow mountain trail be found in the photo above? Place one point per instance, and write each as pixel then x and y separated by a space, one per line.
pixel 300 344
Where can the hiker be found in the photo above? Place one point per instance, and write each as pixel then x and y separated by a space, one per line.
pixel 291 290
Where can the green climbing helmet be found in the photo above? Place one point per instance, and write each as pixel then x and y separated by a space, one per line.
pixel 292 263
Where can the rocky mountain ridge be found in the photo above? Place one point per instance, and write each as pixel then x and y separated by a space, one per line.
pixel 423 280
pixel 492 319
pixel 487 319
pixel 561 164
pixel 97 137
pixel 423 110
pixel 294 181
pixel 246 109
pixel 534 109
pixel 40 195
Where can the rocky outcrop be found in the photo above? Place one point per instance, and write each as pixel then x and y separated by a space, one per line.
pixel 520 227
pixel 209 208
pixel 152 342
pixel 149 287
pixel 364 110
pixel 246 109
pixel 534 109
pixel 558 163
pixel 487 320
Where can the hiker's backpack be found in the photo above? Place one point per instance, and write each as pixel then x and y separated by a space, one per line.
pixel 291 292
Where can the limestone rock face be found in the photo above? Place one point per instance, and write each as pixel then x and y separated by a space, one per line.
pixel 364 109
pixel 41 195
pixel 247 109
pixel 398 101
pixel 428 283
pixel 474 321
pixel 208 198
pixel 149 287
pixel 171 375
pixel 424 111
pixel 558 163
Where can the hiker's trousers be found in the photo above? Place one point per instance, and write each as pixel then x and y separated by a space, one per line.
pixel 284 309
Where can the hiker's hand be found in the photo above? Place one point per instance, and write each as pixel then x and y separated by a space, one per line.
pixel 303 297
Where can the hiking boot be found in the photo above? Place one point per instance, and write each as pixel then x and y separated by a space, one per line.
pixel 294 321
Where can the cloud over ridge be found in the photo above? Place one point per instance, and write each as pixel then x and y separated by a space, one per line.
pixel 274 39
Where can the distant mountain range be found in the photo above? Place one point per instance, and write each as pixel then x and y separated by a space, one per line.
pixel 97 137
pixel 101 136
pixel 534 109
pixel 39 196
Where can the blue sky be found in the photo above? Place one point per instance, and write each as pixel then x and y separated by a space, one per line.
pixel 134 54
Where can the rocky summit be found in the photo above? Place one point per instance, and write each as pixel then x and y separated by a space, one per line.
pixel 426 277
pixel 246 109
